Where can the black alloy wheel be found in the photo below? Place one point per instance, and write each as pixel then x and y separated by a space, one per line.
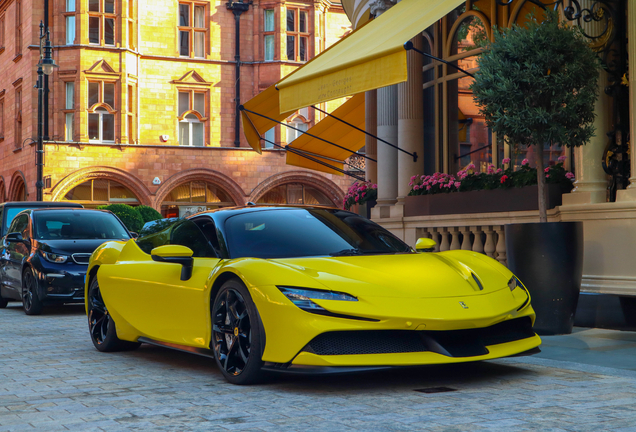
pixel 101 324
pixel 30 301
pixel 236 334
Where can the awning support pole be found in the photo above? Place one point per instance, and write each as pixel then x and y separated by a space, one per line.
pixel 242 108
pixel 299 153
pixel 413 155
pixel 409 46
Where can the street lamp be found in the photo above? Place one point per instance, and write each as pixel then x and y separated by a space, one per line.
pixel 45 67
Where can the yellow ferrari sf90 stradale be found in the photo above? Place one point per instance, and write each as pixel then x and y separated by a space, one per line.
pixel 293 288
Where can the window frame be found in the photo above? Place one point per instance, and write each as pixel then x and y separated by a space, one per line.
pixel 297 34
pixel 269 34
pixel 101 28
pixel 192 30
pixel 18 28
pixel 18 118
pixel 95 109
pixel 68 14
pixel 69 112
pixel 201 118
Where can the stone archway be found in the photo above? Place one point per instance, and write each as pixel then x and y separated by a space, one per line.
pixel 201 174
pixel 18 189
pixel 324 185
pixel 3 189
pixel 107 173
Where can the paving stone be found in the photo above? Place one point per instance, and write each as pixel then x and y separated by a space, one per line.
pixel 52 378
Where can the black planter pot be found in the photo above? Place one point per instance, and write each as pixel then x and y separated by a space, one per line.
pixel 548 259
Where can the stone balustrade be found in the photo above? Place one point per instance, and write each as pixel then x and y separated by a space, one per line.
pixel 486 239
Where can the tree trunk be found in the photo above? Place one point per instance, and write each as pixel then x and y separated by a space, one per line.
pixel 543 213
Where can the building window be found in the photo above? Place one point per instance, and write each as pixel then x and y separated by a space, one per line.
pixel 192 30
pixel 193 197
pixel 101 116
pixel 101 22
pixel 1 33
pixel 297 35
pixel 191 118
pixel 69 17
pixel 295 193
pixel 268 34
pixel 69 105
pixel 270 138
pixel 130 115
pixel 18 117
pixel 299 126
pixel 18 27
pixel 93 193
pixel 1 120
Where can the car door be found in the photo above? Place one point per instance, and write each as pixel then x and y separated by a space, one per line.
pixel 158 303
pixel 15 254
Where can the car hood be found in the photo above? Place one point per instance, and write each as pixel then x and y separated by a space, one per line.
pixel 417 275
pixel 70 246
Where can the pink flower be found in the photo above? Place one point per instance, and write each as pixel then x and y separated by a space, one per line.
pixel 547 176
pixel 470 166
pixel 547 170
pixel 499 171
pixel 357 199
pixel 506 161
pixel 525 162
pixel 428 188
pixel 562 158
pixel 457 184
pixel 363 194
pixel 569 175
pixel 374 186
pixel 503 179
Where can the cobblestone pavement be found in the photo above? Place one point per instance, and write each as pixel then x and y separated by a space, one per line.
pixel 52 378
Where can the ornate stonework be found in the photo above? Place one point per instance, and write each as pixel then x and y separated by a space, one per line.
pixel 378 7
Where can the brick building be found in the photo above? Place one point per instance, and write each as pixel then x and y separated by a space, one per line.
pixel 142 107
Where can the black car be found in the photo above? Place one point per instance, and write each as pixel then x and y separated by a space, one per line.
pixel 46 254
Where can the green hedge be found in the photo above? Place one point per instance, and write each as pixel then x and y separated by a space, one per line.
pixel 147 213
pixel 128 215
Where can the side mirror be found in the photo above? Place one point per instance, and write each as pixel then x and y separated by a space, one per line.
pixel 175 254
pixel 14 237
pixel 134 234
pixel 425 245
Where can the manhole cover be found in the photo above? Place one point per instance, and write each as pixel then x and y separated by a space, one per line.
pixel 436 390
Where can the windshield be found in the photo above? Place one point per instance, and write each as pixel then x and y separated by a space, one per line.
pixel 288 233
pixel 77 225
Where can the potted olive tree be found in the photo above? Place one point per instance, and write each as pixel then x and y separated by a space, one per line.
pixel 537 86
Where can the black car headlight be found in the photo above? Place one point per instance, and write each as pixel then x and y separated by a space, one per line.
pixel 514 282
pixel 302 297
pixel 54 258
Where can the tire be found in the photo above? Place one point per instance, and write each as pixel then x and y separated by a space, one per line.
pixel 30 301
pixel 237 334
pixel 3 303
pixel 101 326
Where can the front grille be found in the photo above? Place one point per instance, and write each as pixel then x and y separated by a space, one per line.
pixel 455 343
pixel 81 258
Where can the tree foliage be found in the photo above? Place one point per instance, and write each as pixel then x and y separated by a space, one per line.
pixel 147 213
pixel 538 84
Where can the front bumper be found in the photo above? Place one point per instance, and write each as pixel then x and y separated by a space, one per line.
pixel 289 330
pixel 62 283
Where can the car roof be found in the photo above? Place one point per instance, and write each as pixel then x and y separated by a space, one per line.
pixel 227 212
pixel 39 204
pixel 48 209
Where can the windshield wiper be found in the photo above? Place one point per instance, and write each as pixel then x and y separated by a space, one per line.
pixel 346 252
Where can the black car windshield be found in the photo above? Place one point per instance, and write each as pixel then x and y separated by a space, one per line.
pixel 288 233
pixel 77 225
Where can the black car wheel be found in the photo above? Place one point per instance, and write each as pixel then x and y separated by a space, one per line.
pixel 236 334
pixel 3 303
pixel 101 324
pixel 30 300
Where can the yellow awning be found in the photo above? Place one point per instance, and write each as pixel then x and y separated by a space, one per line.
pixel 255 126
pixel 332 130
pixel 371 57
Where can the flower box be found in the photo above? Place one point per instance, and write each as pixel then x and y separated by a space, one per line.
pixel 483 201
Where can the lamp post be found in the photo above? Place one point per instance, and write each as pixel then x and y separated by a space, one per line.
pixel 45 67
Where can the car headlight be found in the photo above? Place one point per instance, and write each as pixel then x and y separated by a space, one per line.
pixel 514 282
pixel 302 297
pixel 54 258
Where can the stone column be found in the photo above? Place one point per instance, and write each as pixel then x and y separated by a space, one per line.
pixel 411 121
pixel 630 193
pixel 387 155
pixel 591 181
pixel 387 122
pixel 371 126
